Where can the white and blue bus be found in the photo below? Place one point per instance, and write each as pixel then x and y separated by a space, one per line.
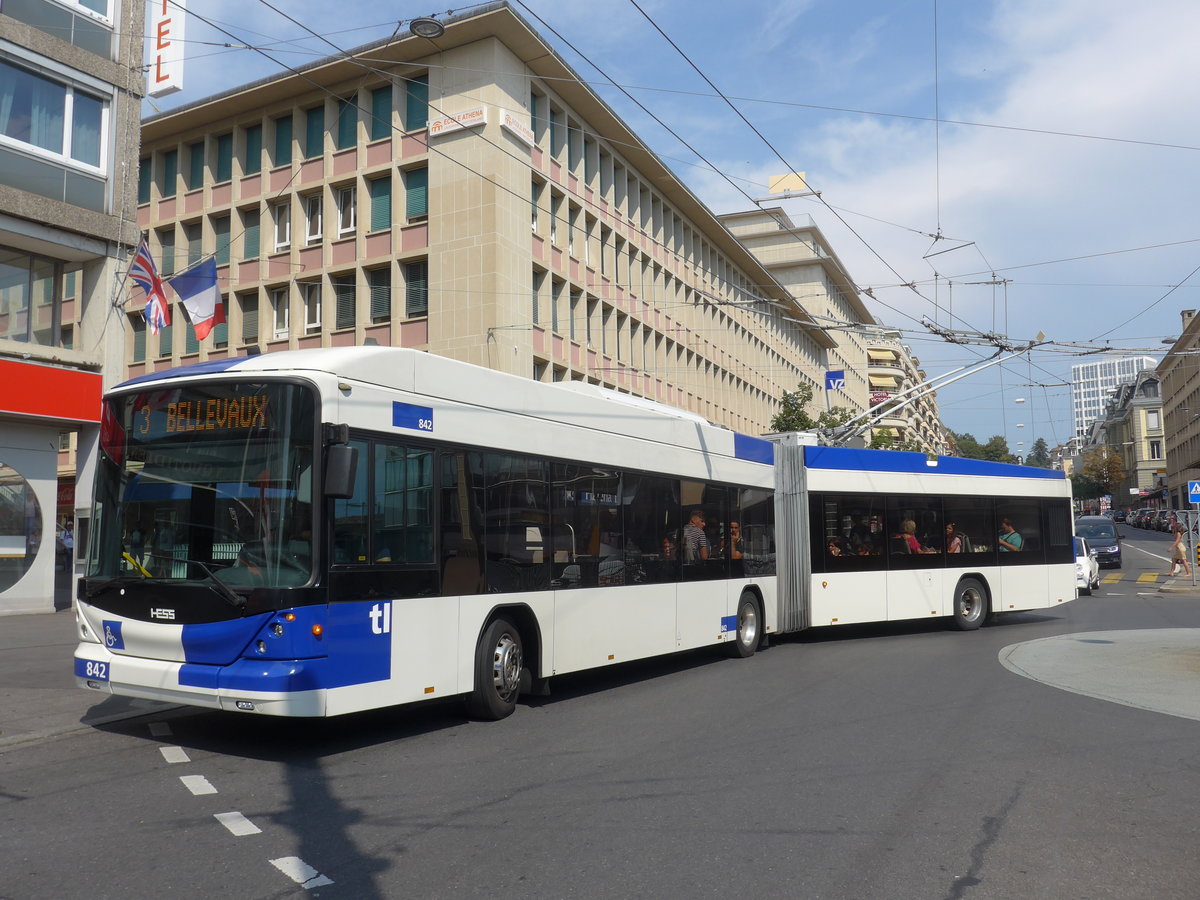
pixel 314 533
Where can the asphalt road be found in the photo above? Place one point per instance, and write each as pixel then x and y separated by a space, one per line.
pixel 888 762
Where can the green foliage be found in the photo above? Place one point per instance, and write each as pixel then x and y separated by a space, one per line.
pixel 1104 467
pixel 1039 456
pixel 881 440
pixel 1084 488
pixel 996 449
pixel 793 414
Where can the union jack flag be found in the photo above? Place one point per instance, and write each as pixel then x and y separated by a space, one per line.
pixel 143 271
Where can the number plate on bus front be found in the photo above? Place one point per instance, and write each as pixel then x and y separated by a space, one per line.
pixel 91 669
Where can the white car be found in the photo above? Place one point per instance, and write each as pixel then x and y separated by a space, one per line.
pixel 1087 570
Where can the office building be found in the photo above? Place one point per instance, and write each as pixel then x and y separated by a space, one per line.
pixel 1092 383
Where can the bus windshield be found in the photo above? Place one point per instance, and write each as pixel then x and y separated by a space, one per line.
pixel 207 482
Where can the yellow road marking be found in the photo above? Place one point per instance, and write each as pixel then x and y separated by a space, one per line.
pixel 1111 579
pixel 1148 578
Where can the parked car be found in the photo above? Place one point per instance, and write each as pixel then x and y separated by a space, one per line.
pixel 1087 570
pixel 1102 537
pixel 1119 515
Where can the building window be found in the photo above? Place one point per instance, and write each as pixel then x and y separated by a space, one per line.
pixel 164 340
pixel 220 332
pixel 281 216
pixel 192 235
pixel 53 118
pixel 416 106
pixel 195 176
pixel 381 113
pixel 314 132
pixel 416 183
pixel 310 293
pixel 1153 420
pixel 283 141
pixel 166 261
pixel 555 209
pixel 280 312
pixel 145 180
pixel 380 281
pixel 224 158
pixel 344 294
pixel 250 234
pixel 30 304
pixel 252 164
pixel 535 297
pixel 314 228
pixel 1156 450
pixel 381 203
pixel 535 197
pixel 416 288
pixel 170 173
pixel 137 323
pixel 347 123
pixel 249 305
pixel 221 233
pixel 347 207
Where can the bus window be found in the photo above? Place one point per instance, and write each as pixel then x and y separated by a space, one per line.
pixel 403 512
pixel 589 546
pixel 516 523
pixel 757 519
pixel 650 511
pixel 350 545
pixel 461 507
pixel 915 531
pixel 970 535
pixel 1019 523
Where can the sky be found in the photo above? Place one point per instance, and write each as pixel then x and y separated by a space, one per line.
pixel 1007 167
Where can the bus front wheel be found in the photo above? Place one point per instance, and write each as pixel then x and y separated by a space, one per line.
pixel 749 627
pixel 970 605
pixel 497 672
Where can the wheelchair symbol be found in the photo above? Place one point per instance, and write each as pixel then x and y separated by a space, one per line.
pixel 109 638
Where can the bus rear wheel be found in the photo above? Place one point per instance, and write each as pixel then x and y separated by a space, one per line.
pixel 497 672
pixel 970 605
pixel 749 628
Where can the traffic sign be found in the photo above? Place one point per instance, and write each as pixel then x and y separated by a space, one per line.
pixel 1194 492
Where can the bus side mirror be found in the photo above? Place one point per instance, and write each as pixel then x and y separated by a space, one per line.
pixel 341 466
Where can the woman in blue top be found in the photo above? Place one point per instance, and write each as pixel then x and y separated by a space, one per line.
pixel 1009 540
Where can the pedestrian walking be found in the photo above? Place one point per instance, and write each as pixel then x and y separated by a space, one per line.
pixel 1179 551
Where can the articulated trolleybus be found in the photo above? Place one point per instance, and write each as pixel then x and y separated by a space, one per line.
pixel 313 533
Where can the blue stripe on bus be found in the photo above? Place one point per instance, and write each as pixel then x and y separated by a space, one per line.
pixel 846 459
pixel 357 637
pixel 753 449
pixel 204 368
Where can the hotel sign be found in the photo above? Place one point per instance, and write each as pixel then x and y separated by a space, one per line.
pixel 880 397
pixel 472 118
pixel 167 40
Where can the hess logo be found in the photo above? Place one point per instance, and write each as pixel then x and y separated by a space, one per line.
pixel 381 618
pixel 157 612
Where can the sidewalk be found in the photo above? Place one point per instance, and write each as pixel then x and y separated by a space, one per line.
pixel 38 696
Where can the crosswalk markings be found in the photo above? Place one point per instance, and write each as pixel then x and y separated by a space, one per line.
pixel 1144 578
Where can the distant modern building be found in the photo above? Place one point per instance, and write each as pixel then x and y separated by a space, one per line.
pixel 70 91
pixel 468 196
pixel 1092 383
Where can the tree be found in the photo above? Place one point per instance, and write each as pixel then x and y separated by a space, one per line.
pixel 996 449
pixel 1104 467
pixel 793 414
pixel 881 440
pixel 1039 456
pixel 968 447
pixel 1084 488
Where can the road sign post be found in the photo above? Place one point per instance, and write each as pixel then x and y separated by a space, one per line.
pixel 1193 518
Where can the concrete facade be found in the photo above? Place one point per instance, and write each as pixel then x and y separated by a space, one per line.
pixel 1181 409
pixel 502 215
pixel 70 100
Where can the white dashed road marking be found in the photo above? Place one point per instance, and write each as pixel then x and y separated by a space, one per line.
pixel 237 824
pixel 174 754
pixel 300 872
pixel 197 784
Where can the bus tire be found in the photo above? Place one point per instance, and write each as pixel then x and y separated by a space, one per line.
pixel 497 672
pixel 970 605
pixel 749 627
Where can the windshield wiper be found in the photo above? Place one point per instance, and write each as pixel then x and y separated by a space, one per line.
pixel 237 601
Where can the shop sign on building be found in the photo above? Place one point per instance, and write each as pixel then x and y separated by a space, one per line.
pixel 472 118
pixel 878 397
pixel 517 128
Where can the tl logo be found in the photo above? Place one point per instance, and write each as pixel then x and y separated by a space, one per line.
pixel 381 618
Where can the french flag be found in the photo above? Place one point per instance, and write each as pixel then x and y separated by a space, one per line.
pixel 197 290
pixel 145 274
